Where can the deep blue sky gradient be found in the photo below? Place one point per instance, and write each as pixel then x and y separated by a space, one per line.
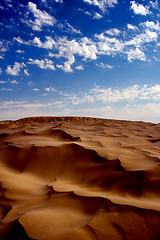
pixel 103 61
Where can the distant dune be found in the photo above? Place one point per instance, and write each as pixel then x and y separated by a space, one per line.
pixel 74 178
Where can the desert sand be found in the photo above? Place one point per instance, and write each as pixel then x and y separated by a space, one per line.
pixel 79 179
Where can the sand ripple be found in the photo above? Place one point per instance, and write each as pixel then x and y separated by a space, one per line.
pixel 79 178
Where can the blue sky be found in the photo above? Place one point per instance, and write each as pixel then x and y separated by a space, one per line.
pixel 97 58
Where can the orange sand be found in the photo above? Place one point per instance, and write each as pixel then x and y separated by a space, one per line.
pixel 79 179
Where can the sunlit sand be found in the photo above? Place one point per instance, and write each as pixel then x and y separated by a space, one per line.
pixel 79 179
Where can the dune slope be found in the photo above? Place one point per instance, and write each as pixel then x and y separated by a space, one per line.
pixel 79 178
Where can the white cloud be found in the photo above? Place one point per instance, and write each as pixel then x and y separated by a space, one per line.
pixel 50 89
pixel 131 27
pixel 146 92
pixel 136 112
pixel 42 18
pixel 26 105
pixel 68 49
pixel 108 45
pixel 151 25
pixel 4 46
pixel 150 92
pixel 35 89
pixel 59 1
pixel 84 99
pixel 26 72
pixel 97 15
pixel 10 104
pixel 104 65
pixel 109 95
pixel 19 51
pixel 113 32
pixel 139 8
pixel 140 39
pixel 87 13
pixel 48 44
pixel 136 53
pixel 67 65
pixel 72 29
pixel 79 67
pixel 0 70
pixel 16 69
pixel 44 64
pixel 5 89
pixel 84 47
pixel 154 4
pixel 102 4
pixel 14 82
pixel 2 82
pixel 21 41
pixel 111 42
pixel 51 54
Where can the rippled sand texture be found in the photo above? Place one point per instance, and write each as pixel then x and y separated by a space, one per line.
pixel 79 179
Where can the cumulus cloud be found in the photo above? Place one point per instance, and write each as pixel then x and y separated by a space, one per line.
pixel 150 92
pixel 102 4
pixel 139 8
pixel 16 69
pixel 154 4
pixel 140 39
pixel 48 44
pixel 111 42
pixel 19 40
pixel 109 45
pixel 19 51
pixel 86 98
pixel 59 1
pixel 68 49
pixel 131 27
pixel 134 112
pixel 151 25
pixel 97 15
pixel 42 18
pixel 72 29
pixel 0 70
pixel 79 67
pixel 67 65
pixel 50 89
pixel 4 46
pixel 109 95
pixel 128 95
pixel 104 65
pixel 113 32
pixel 14 82
pixel 26 72
pixel 135 54
pixel 44 64
pixel 145 92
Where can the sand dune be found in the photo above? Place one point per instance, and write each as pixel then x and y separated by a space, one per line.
pixel 79 178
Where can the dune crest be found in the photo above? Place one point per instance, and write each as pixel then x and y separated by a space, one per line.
pixel 79 178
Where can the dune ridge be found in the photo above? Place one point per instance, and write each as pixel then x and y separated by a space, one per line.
pixel 79 178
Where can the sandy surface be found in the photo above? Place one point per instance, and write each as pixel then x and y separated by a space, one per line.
pixel 79 179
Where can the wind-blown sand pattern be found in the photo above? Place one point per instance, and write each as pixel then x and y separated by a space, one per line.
pixel 79 179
